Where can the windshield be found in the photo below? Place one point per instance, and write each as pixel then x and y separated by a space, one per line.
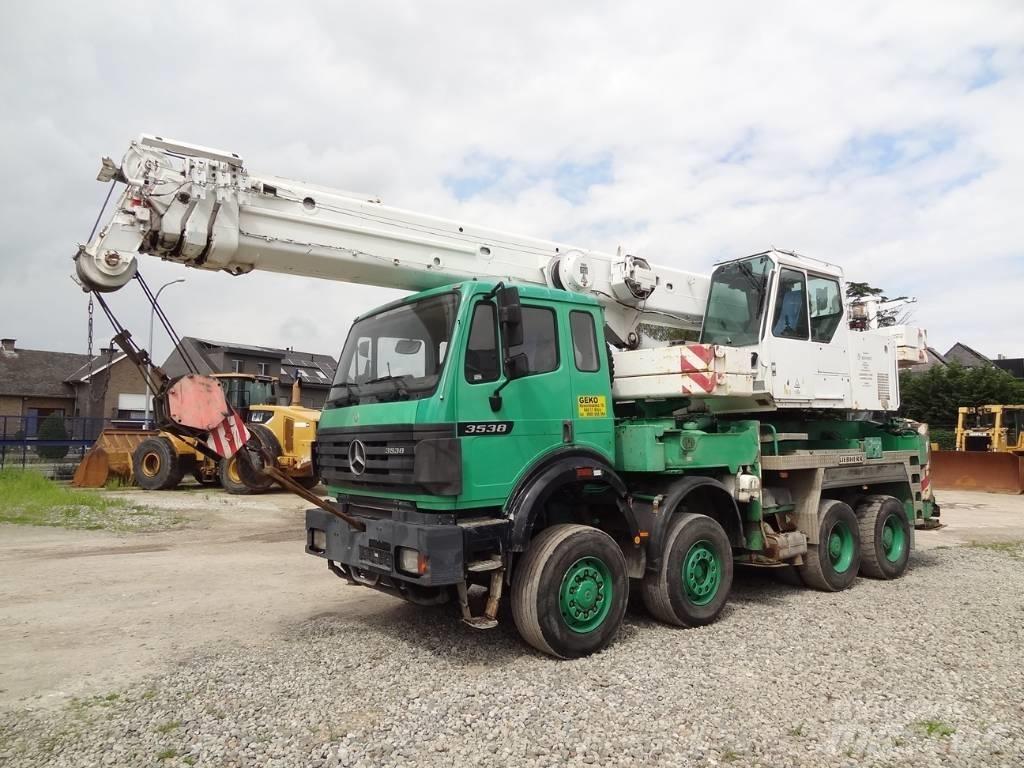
pixel 397 354
pixel 736 302
pixel 241 393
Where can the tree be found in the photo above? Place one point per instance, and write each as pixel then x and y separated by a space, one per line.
pixel 52 428
pixel 935 395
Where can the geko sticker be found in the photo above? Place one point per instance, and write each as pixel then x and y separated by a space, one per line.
pixel 591 405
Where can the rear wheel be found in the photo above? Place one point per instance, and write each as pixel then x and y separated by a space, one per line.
pixel 156 464
pixel 569 591
pixel 832 563
pixel 692 585
pixel 884 538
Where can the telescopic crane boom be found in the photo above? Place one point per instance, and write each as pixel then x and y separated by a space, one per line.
pixel 201 207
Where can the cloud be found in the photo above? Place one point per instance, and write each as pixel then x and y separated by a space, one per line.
pixel 881 136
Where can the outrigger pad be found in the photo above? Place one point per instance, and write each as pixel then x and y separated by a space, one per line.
pixel 197 402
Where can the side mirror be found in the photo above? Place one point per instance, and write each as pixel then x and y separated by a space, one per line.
pixel 510 316
pixel 363 348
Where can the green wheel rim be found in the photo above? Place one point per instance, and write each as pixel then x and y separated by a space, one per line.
pixel 702 573
pixel 585 597
pixel 894 539
pixel 840 547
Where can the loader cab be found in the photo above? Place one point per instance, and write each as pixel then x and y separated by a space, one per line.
pixel 788 312
pixel 245 390
pixel 447 398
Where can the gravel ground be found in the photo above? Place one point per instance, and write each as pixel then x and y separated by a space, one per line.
pixel 922 671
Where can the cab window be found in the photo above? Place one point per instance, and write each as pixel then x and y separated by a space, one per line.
pixel 540 340
pixel 826 307
pixel 482 349
pixel 790 321
pixel 584 341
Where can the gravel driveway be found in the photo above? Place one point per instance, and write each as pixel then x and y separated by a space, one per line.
pixel 923 671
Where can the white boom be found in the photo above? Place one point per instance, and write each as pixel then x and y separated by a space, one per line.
pixel 202 208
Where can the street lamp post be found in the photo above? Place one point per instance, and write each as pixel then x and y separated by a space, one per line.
pixel 149 347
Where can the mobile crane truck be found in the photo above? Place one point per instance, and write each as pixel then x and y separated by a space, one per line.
pixel 482 432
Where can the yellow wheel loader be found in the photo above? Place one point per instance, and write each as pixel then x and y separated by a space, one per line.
pixel 156 460
pixel 989 453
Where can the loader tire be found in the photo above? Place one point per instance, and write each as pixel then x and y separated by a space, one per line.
pixel 231 480
pixel 569 591
pixel 832 564
pixel 156 465
pixel 884 538
pixel 250 462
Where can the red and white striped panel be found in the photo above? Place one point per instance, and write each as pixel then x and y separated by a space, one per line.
pixel 229 436
pixel 698 383
pixel 696 357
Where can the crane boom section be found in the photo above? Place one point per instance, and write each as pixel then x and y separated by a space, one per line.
pixel 202 208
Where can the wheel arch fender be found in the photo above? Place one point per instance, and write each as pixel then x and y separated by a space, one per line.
pixel 554 471
pixel 714 494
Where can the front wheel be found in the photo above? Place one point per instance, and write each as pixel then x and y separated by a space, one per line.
pixel 692 585
pixel 832 563
pixel 569 591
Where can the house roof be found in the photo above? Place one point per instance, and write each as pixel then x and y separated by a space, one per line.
pixel 313 368
pixel 1012 365
pixel 38 373
pixel 100 363
pixel 964 355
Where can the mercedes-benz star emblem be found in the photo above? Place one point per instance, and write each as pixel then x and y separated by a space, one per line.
pixel 357 457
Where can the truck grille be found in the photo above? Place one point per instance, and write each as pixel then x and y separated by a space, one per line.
pixel 385 457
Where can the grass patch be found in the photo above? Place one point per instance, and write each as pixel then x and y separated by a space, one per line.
pixel 167 754
pixel 1011 548
pixel 170 725
pixel 935 728
pixel 28 498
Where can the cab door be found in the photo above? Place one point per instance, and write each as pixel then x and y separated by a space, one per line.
pixel 593 419
pixel 788 340
pixel 497 445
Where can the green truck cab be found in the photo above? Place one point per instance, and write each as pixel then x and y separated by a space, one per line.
pixel 471 429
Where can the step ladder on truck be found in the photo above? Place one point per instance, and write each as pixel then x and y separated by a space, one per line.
pixel 509 426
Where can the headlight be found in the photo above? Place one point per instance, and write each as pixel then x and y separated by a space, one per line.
pixel 318 540
pixel 411 561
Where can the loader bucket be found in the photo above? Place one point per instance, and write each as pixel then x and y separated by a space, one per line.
pixel 110 457
pixel 977 471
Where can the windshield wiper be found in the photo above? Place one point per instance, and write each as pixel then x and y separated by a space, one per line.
pixel 345 398
pixel 401 390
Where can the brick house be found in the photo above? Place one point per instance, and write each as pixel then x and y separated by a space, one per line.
pixel 37 383
pixel 111 387
pixel 315 371
pixel 33 386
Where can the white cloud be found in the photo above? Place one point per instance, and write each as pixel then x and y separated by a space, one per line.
pixel 881 136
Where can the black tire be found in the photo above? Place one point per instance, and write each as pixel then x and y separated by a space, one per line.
pixel 250 462
pixel 544 574
pixel 692 585
pixel 832 564
pixel 230 479
pixel 309 483
pixel 156 464
pixel 885 537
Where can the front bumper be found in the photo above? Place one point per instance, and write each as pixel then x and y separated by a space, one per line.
pixel 371 557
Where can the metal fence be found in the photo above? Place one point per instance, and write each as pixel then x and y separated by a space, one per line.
pixel 48 444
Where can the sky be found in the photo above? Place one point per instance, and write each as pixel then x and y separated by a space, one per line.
pixel 885 137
